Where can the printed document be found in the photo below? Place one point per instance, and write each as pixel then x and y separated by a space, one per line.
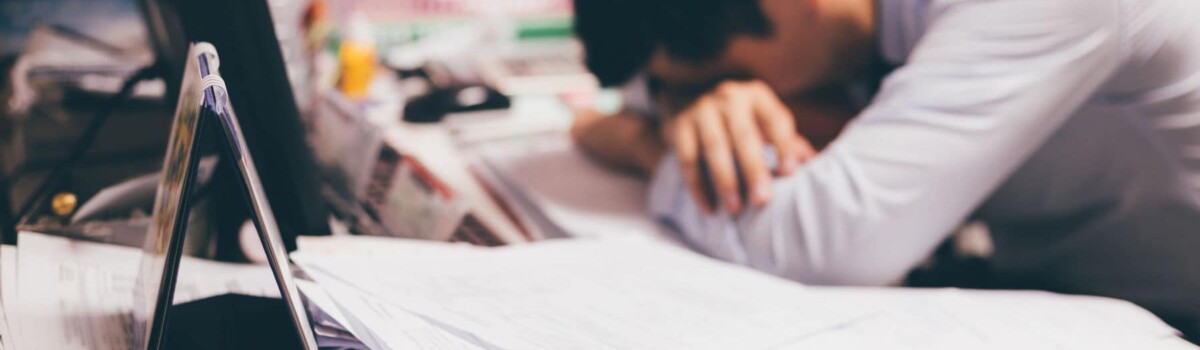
pixel 645 294
pixel 79 295
pixel 586 294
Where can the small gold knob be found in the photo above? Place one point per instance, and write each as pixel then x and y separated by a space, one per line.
pixel 64 203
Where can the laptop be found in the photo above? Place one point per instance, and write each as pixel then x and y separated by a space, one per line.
pixel 203 99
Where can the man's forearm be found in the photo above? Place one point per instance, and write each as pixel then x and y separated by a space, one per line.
pixel 624 141
pixel 779 238
pixel 649 153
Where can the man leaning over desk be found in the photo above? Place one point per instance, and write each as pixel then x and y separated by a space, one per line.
pixel 1070 127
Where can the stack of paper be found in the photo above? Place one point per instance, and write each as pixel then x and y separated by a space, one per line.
pixel 642 294
pixel 556 191
pixel 79 295
pixel 585 294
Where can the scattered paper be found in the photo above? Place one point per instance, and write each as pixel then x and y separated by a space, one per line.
pixel 79 295
pixel 67 301
pixel 384 326
pixel 596 294
pixel 643 294
pixel 586 295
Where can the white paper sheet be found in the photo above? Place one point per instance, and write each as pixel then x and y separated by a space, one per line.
pixel 67 301
pixel 586 295
pixel 960 319
pixel 8 268
pixel 318 297
pixel 384 326
pixel 199 279
pixel 78 295
pixel 644 294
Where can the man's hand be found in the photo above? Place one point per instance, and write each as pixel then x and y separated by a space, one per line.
pixel 726 129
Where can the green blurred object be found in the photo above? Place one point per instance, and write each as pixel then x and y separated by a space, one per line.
pixel 390 34
pixel 541 28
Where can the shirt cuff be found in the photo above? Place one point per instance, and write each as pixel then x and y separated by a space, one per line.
pixel 665 186
pixel 671 203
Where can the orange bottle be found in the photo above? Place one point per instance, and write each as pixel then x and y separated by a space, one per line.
pixel 358 59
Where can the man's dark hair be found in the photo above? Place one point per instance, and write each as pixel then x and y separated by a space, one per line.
pixel 619 36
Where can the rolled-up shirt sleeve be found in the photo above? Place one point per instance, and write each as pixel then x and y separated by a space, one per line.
pixel 986 86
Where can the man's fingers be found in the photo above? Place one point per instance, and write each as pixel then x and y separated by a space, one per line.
pixel 687 148
pixel 748 147
pixel 717 152
pixel 723 133
pixel 807 151
pixel 779 128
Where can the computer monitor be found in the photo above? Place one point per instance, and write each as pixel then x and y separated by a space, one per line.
pixel 256 76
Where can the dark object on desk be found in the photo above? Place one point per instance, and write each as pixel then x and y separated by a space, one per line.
pixel 8 225
pixel 234 321
pixel 1190 329
pixel 231 321
pixel 433 107
pixel 253 66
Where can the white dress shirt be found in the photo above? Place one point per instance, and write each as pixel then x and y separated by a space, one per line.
pixel 1071 127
